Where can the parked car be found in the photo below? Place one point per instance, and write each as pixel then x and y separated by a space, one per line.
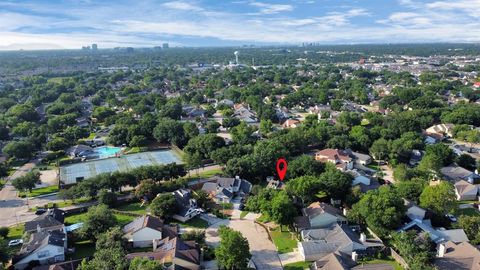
pixel 40 211
pixel 15 242
pixel 451 217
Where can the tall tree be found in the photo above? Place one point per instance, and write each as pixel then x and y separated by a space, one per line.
pixel 233 251
pixel 439 198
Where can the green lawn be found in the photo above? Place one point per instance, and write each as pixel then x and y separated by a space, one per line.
pixel 467 212
pixel 121 219
pixel 39 191
pixel 284 241
pixel 15 232
pixel 83 249
pixel 297 266
pixel 204 174
pixel 133 208
pixel 390 261
pixel 195 222
pixel 91 136
pixel 243 214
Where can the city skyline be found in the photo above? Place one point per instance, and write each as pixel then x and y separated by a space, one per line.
pixel 73 24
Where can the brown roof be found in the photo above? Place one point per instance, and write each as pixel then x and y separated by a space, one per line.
pixel 170 248
pixel 332 155
pixel 146 221
pixel 463 186
pixel 462 256
pixel 318 208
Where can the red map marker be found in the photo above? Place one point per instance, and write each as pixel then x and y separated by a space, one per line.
pixel 281 168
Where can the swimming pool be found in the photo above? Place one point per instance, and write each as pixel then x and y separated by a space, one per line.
pixel 106 151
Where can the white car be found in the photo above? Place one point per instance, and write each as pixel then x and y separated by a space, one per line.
pixel 451 217
pixel 15 242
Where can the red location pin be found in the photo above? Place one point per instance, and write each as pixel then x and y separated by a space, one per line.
pixel 281 168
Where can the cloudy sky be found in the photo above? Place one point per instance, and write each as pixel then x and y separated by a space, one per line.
pixel 53 24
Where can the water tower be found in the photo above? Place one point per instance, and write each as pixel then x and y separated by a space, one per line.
pixel 236 56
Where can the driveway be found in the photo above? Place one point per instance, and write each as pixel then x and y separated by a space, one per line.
pixel 264 252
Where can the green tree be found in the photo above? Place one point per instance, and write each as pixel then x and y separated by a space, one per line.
pixel 108 258
pixel 144 264
pixel 470 225
pixel 164 205
pixel 27 182
pixel 335 183
pixel 411 189
pixel 57 144
pixel 381 209
pixel 147 189
pixel 107 197
pixel 304 165
pixel 19 149
pixel 282 210
pixel 97 220
pixel 415 250
pixel 113 238
pixel 379 149
pixel 466 161
pixel 233 251
pixel 439 198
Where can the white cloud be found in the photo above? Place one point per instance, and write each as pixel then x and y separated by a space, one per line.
pixel 179 5
pixel 267 8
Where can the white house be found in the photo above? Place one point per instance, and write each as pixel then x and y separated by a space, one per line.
pixel 186 205
pixel 143 231
pixel 319 215
pixel 46 247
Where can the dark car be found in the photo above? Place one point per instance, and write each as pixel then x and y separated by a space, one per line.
pixel 40 211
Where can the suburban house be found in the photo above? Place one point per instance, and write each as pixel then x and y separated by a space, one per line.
pixel 466 191
pixel 317 243
pixel 462 256
pixel 456 173
pixel 174 252
pixel 291 123
pixel 144 230
pixel 274 184
pixel 244 114
pixel 192 112
pixel 359 158
pixel 224 189
pixel 340 158
pixel 319 215
pixel 52 220
pixel 44 247
pixel 440 131
pixel 422 225
pixel 186 204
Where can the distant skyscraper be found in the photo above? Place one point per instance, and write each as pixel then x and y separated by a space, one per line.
pixel 94 47
pixel 165 45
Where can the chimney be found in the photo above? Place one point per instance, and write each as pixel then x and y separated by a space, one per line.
pixel 441 250
pixel 39 229
pixel 363 238
pixel 237 177
pixel 345 211
pixel 354 256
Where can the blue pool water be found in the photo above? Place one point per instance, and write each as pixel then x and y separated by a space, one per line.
pixel 106 151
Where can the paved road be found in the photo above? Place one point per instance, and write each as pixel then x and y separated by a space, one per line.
pixel 264 253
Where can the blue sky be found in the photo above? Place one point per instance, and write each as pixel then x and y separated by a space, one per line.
pixel 53 24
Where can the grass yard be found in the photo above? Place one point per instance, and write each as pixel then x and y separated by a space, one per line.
pixel 389 261
pixel 467 212
pixel 297 266
pixel 204 174
pixel 15 232
pixel 284 241
pixel 83 249
pixel 91 136
pixel 122 220
pixel 39 191
pixel 243 214
pixel 133 208
pixel 195 222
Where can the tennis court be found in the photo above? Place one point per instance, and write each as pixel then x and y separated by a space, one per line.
pixel 70 174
